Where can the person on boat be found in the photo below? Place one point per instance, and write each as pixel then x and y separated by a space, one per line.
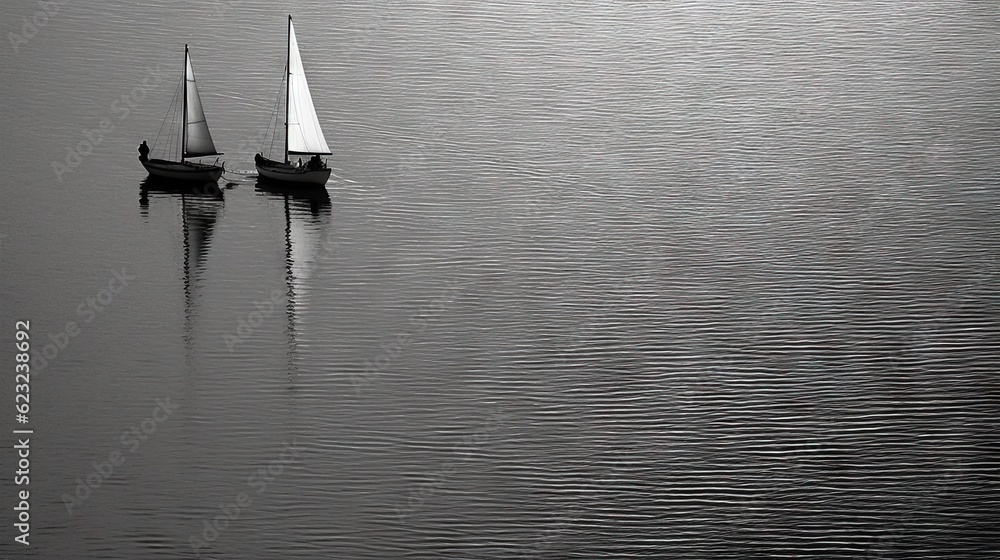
pixel 143 151
pixel 258 159
pixel 315 162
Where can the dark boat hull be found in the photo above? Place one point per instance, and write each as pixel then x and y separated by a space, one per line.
pixel 182 171
pixel 291 174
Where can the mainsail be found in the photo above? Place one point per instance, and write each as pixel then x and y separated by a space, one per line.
pixel 304 134
pixel 198 141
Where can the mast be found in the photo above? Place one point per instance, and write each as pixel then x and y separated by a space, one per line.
pixel 184 112
pixel 288 80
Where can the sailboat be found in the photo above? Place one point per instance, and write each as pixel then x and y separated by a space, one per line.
pixel 303 135
pixel 196 140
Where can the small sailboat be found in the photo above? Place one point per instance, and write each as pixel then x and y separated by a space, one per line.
pixel 303 135
pixel 195 138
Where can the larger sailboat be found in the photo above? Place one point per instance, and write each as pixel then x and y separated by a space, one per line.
pixel 195 139
pixel 303 135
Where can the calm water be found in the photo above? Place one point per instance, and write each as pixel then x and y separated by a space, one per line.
pixel 608 280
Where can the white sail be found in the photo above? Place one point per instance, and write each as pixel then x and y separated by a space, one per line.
pixel 199 139
pixel 304 134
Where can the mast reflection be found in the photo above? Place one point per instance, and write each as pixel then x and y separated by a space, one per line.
pixel 200 207
pixel 307 214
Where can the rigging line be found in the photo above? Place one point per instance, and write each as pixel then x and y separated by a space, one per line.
pixel 164 121
pixel 176 147
pixel 172 154
pixel 169 151
pixel 271 117
pixel 274 113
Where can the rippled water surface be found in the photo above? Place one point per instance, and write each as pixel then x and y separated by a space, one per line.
pixel 601 280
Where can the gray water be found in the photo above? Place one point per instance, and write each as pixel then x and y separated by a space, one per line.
pixel 602 280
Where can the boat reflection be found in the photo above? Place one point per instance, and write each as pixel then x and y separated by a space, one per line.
pixel 200 207
pixel 307 212
pixel 169 187
pixel 314 197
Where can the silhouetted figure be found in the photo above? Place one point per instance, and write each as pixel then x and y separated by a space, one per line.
pixel 143 151
pixel 258 159
pixel 315 162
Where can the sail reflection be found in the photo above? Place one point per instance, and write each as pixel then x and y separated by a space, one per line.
pixel 307 211
pixel 200 207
